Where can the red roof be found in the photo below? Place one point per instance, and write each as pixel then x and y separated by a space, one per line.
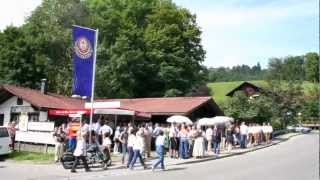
pixel 49 100
pixel 155 106
pixel 168 105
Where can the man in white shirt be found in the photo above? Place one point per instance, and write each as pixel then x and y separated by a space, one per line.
pixel 131 140
pixel 160 151
pixel 243 134
pixel 106 129
pixel 138 148
pixel 174 146
pixel 96 127
pixel 156 130
pixel 80 153
pixel 85 127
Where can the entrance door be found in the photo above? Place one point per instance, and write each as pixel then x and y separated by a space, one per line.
pixel 1 119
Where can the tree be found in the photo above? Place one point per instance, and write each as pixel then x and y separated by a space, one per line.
pixel 311 67
pixel 250 110
pixel 49 29
pixel 148 48
pixel 285 77
pixel 310 109
pixel 19 62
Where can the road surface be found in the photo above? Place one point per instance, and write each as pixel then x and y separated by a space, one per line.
pixel 295 159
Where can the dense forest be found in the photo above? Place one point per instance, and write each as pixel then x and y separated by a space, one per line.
pixel 236 73
pixel 302 67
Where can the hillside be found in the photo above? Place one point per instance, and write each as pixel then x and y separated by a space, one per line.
pixel 220 89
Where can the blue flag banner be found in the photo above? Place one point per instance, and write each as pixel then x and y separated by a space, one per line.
pixel 83 60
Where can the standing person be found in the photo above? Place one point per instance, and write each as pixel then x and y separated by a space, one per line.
pixel 216 139
pixel 264 132
pixel 184 145
pixel 223 137
pixel 250 132
pixel 106 147
pixel 12 132
pixel 148 138
pixel 131 139
pixel 106 129
pixel 243 135
pixel 229 138
pixel 209 134
pixel 269 133
pixel 237 135
pixel 85 128
pixel 137 150
pixel 156 130
pixel 116 138
pixel 199 144
pixel 106 133
pixel 72 129
pixel 143 140
pixel 96 128
pixel 191 138
pixel 59 137
pixel 173 138
pixel 130 128
pixel 160 141
pixel 80 152
pixel 124 142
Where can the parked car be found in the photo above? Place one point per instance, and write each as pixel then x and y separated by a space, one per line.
pixel 5 141
pixel 299 128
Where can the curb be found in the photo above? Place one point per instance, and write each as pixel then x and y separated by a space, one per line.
pixel 281 140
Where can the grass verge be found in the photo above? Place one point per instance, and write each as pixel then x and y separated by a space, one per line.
pixel 30 156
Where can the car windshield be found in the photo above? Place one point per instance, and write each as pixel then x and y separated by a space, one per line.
pixel 4 132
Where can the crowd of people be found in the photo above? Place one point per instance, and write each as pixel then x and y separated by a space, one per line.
pixel 179 140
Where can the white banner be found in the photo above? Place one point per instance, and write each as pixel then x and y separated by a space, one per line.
pixel 100 105
pixel 41 126
pixel 35 137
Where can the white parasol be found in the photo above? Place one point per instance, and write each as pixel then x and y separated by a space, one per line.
pixel 215 121
pixel 179 119
pixel 204 121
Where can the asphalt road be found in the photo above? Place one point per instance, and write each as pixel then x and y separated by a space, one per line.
pixel 295 159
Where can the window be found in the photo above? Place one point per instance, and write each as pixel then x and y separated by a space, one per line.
pixel 33 117
pixel 19 101
pixel 14 117
pixel 4 132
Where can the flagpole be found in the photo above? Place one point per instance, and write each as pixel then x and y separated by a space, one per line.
pixel 93 81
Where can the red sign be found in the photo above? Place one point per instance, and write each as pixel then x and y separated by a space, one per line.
pixel 67 112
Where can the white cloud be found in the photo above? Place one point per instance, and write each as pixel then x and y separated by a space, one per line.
pixel 234 35
pixel 14 12
pixel 230 16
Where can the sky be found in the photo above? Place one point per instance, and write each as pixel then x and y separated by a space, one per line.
pixel 234 32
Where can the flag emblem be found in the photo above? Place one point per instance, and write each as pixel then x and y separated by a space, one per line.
pixel 83 48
